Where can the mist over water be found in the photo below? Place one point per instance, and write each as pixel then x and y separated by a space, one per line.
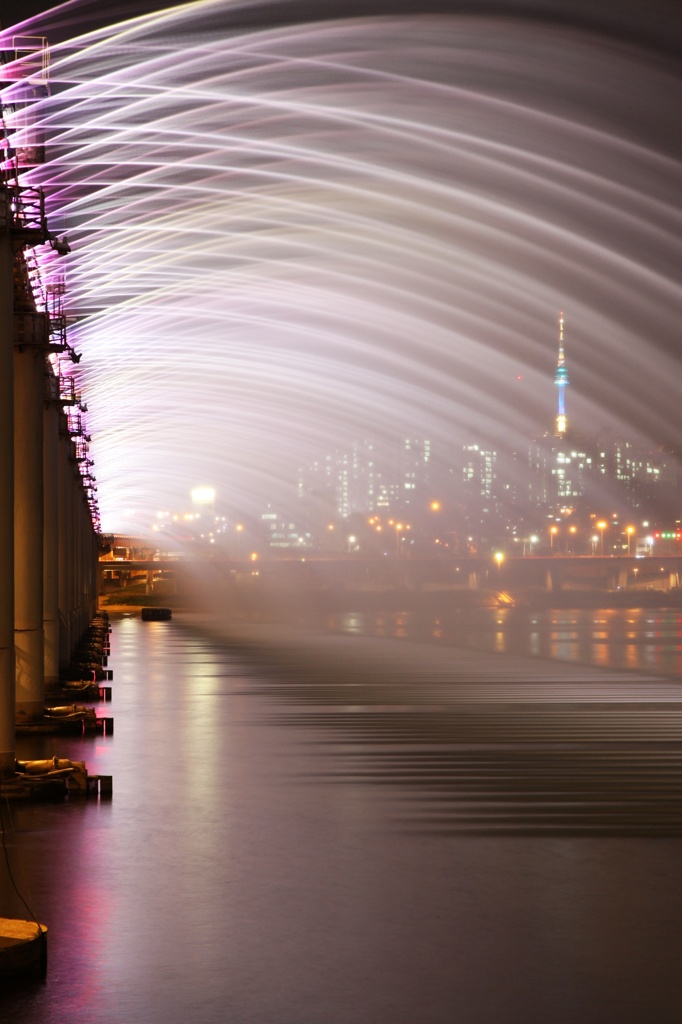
pixel 289 235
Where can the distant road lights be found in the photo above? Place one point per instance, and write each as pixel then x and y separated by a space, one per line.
pixel 435 506
pixel 352 541
pixel 601 526
pixel 553 530
pixel 594 540
pixel 533 539
pixel 572 530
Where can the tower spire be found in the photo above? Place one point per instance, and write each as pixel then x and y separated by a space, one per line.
pixel 561 380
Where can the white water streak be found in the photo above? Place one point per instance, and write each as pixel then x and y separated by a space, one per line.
pixel 286 237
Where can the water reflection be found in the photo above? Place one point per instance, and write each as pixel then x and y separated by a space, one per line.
pixel 356 829
pixel 611 638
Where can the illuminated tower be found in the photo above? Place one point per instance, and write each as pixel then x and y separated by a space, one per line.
pixel 561 380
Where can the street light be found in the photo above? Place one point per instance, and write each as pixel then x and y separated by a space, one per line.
pixel 499 558
pixel 601 526
pixel 553 530
pixel 630 530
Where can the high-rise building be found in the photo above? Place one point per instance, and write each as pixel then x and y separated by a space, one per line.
pixel 414 473
pixel 479 474
pixel 345 481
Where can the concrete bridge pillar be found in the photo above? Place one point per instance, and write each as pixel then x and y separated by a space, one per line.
pixel 64 557
pixel 613 576
pixel 51 540
pixel 473 579
pixel 74 567
pixel 91 554
pixel 29 376
pixel 77 550
pixel 79 560
pixel 7 659
pixel 86 556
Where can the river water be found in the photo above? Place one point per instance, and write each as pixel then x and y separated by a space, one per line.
pixel 640 639
pixel 367 828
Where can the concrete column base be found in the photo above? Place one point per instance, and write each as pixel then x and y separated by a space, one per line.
pixel 51 654
pixel 30 691
pixel 30 711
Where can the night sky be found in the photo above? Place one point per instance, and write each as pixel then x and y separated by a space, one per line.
pixel 298 224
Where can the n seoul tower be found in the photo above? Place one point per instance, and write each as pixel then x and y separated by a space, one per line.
pixel 561 380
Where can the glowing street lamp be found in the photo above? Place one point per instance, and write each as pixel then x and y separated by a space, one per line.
pixel 499 558
pixel 553 530
pixel 630 530
pixel 601 526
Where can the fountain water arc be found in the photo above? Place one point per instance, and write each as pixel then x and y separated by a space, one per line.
pixel 287 238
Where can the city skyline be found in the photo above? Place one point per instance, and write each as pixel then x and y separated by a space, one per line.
pixel 558 476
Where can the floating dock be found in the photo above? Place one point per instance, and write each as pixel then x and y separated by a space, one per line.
pixel 56 786
pixel 23 947
pixel 156 614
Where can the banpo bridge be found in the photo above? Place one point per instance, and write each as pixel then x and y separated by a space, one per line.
pixel 515 573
